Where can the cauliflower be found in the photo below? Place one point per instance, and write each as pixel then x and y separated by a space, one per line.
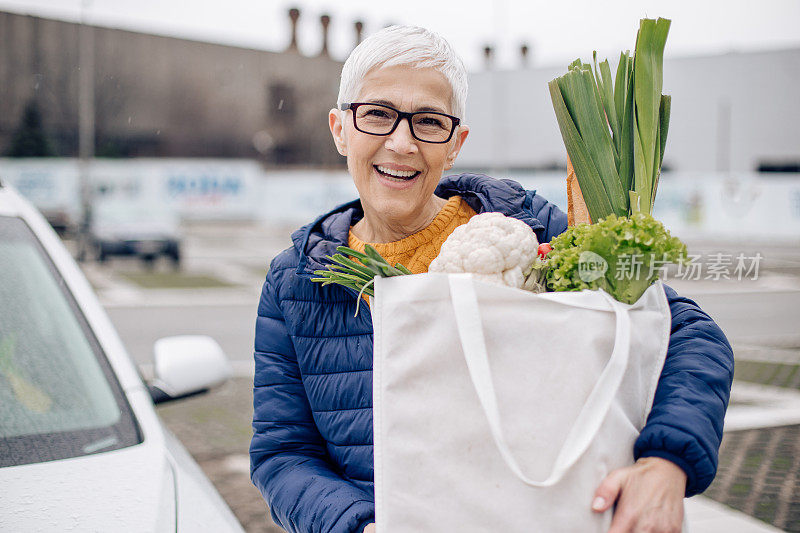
pixel 492 247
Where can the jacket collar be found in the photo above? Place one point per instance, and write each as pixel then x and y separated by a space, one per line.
pixel 315 241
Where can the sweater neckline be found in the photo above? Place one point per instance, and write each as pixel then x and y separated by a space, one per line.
pixel 415 240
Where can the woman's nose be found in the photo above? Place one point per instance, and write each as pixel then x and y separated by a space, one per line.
pixel 401 140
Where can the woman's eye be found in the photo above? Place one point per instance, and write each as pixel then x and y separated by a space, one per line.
pixel 430 121
pixel 377 113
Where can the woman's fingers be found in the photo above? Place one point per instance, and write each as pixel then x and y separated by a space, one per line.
pixel 608 491
pixel 649 497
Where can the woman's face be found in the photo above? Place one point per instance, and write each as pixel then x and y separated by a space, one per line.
pixel 370 158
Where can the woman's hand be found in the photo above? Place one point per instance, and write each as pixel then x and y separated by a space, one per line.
pixel 370 528
pixel 649 496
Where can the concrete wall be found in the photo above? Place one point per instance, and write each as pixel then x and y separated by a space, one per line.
pixel 161 96
pixel 729 113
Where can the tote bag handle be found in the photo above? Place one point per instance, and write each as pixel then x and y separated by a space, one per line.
pixel 586 425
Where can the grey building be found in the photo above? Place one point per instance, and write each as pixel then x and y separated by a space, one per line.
pixel 167 97
pixel 732 112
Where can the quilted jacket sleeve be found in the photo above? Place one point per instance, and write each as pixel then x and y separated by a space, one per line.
pixel 552 218
pixel 288 461
pixel 685 424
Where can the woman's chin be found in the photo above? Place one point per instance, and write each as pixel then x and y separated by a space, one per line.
pixel 397 210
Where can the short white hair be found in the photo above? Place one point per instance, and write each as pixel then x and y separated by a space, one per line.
pixel 405 45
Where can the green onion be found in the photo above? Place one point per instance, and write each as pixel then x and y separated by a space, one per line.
pixel 358 276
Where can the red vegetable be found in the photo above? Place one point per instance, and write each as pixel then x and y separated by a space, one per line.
pixel 544 249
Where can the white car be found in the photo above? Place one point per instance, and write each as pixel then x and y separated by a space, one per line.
pixel 81 446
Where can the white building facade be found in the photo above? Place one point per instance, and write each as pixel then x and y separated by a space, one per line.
pixel 738 112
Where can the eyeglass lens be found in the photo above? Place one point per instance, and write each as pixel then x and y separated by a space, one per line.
pixel 380 120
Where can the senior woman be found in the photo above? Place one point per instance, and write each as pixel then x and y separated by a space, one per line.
pixel 399 123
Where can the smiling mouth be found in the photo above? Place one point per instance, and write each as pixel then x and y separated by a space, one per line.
pixel 400 175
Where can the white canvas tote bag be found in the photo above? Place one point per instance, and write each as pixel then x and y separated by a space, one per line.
pixel 496 409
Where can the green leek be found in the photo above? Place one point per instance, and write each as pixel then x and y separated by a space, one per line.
pixel 615 128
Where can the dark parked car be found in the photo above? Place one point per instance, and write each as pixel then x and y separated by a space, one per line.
pixel 141 231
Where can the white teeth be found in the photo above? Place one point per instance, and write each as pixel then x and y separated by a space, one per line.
pixel 396 173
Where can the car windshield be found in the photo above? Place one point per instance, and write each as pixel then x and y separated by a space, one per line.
pixel 58 394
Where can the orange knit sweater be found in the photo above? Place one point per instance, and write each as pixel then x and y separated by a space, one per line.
pixel 416 251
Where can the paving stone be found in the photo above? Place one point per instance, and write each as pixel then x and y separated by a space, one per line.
pixel 759 474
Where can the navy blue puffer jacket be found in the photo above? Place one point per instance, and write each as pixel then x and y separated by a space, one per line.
pixel 311 453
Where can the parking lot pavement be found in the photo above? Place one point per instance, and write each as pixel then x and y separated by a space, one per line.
pixel 759 469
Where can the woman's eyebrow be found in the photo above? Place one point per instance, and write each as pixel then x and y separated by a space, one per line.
pixel 392 104
pixel 381 102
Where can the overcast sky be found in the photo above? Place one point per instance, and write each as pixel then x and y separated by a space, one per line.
pixel 557 31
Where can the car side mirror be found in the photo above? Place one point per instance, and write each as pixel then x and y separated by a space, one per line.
pixel 186 365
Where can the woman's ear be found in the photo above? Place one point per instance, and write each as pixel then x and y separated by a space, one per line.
pixel 337 130
pixel 460 136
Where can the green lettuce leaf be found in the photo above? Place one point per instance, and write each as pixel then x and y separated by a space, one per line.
pixel 621 255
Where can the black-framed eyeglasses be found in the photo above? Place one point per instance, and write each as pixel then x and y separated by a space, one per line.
pixel 379 119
